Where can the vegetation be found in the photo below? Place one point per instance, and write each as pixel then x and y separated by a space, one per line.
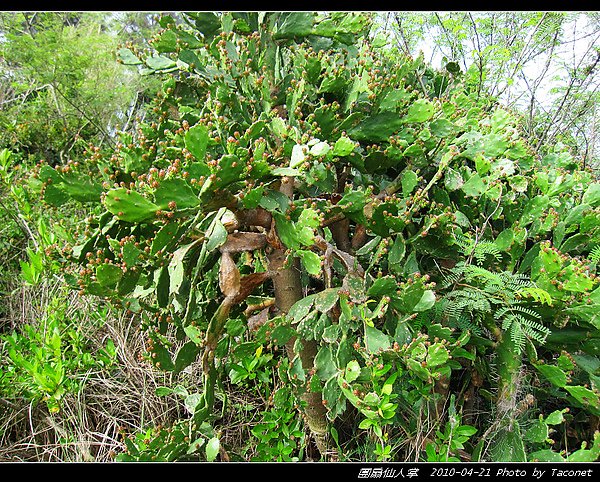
pixel 314 246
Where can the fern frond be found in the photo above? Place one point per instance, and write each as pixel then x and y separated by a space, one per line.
pixel 516 281
pixel 535 330
pixel 463 323
pixel 521 327
pixel 517 335
pixel 595 254
pixel 479 249
pixel 538 294
pixel 486 248
pixel 464 243
pixel 453 276
pixel 500 313
pixel 473 272
pixel 465 308
pixel 420 321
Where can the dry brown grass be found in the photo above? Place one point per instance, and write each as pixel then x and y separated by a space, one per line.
pixel 90 423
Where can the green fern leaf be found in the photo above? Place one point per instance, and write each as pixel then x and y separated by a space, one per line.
pixel 538 294
pixel 595 254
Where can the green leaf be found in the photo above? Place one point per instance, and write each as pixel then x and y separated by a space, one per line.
pixel 194 334
pixel 229 169
pixel 505 239
pixel 553 374
pixel 508 446
pixel 163 391
pixel 555 418
pixel 518 183
pixel 589 364
pixel 592 195
pixel 298 156
pixel 128 57
pixel 372 399
pixel 545 455
pixel 325 300
pixel 418 369
pixel 129 205
pixel 474 186
pixel 217 236
pixel 426 302
pixel 459 352
pixel 311 261
pixel 253 197
pixel 377 128
pixel 466 430
pixel 186 355
pixel 583 395
pixel 331 334
pixel 538 432
pixel 325 365
pixel 162 358
pixel 301 308
pixel 164 237
pixel 167 42
pixel 436 355
pixel 343 146
pixel 587 455
pixel 578 282
pixel 453 180
pixel 159 62
pixel 494 145
pixel 196 140
pixel 287 231
pixel 482 164
pixel 320 149
pixel 275 201
pixel 534 209
pixel 55 195
pixel 131 254
pixel 82 189
pixel 394 99
pixel 420 111
pixel 365 424
pixel 285 171
pixel 352 371
pixel 212 449
pixel 409 182
pixel 386 285
pixel 281 334
pixel 353 202
pixel 396 254
pixel 279 127
pixel 296 24
pixel 503 167
pixel 300 233
pixel 376 340
pixel 207 23
pixel 442 127
pixel 550 261
pixel 178 191
pixel 108 275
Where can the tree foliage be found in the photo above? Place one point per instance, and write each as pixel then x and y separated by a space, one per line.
pixel 542 64
pixel 61 88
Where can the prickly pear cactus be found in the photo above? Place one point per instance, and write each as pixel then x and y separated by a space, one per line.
pixel 356 207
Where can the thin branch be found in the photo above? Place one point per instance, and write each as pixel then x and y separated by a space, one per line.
pixel 519 61
pixel 479 56
pixel 407 50
pixel 566 97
